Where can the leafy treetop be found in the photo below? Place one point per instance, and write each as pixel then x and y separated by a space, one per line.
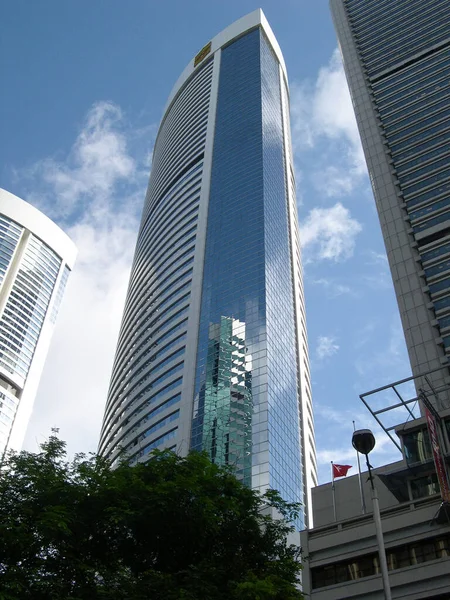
pixel 170 529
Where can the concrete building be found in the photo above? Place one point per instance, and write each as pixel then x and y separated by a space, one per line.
pixel 341 557
pixel 212 353
pixel 36 257
pixel 397 62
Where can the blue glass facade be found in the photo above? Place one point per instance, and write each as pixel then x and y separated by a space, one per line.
pixel 212 352
pixel 247 283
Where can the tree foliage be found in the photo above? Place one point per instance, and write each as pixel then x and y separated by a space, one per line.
pixel 170 529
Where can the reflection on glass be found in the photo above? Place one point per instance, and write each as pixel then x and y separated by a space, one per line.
pixel 225 401
pixel 417 446
pixel 424 486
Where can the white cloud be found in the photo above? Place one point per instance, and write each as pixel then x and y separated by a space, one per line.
pixel 323 118
pixel 97 192
pixel 333 288
pixel 326 346
pixel 97 162
pixel 329 233
pixel 384 452
pixel 333 181
pixel 378 258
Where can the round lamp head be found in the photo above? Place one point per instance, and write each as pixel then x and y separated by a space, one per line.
pixel 363 441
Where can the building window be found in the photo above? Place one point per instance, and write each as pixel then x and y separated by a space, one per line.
pixel 424 486
pixel 397 558
pixel 417 446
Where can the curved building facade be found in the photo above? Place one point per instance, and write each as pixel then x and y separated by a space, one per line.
pixel 36 257
pixel 212 353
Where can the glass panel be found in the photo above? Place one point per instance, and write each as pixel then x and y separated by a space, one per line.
pixel 26 307
pixel 424 486
pixel 417 446
pixel 247 325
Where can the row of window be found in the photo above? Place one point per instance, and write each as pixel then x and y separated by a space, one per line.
pixel 155 356
pixel 59 294
pixel 153 296
pixel 135 354
pixel 157 411
pixel 366 12
pixel 142 290
pixel 374 32
pixel 9 236
pixel 146 288
pixel 412 78
pixel 430 208
pixel 431 194
pixel 152 400
pixel 170 218
pixel 407 44
pixel 411 100
pixel 169 207
pixel 167 284
pixel 442 303
pixel 406 555
pixel 156 427
pixel 145 332
pixel 137 367
pixel 156 258
pixel 432 222
pixel 414 111
pixel 110 436
pixel 150 373
pixel 154 444
pixel 418 142
pixel 370 39
pixel 179 139
pixel 437 269
pixel 435 252
pixel 129 344
pixel 421 158
pixel 435 177
pixel 422 123
pixel 122 399
pixel 27 305
pixel 159 441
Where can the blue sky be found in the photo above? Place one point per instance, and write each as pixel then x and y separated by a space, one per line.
pixel 83 88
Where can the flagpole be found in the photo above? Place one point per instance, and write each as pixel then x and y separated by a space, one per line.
pixel 361 489
pixel 334 491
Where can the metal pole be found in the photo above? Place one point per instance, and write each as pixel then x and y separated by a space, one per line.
pixel 334 492
pixel 380 539
pixel 361 490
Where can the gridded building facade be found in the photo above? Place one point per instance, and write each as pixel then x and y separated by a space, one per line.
pixel 212 353
pixel 35 261
pixel 397 61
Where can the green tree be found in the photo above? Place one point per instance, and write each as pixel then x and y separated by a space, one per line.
pixel 170 529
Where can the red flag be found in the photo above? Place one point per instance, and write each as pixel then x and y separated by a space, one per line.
pixel 341 470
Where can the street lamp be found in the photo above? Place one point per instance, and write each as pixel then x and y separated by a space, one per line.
pixel 363 441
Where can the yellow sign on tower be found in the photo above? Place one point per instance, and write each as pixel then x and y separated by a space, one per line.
pixel 202 54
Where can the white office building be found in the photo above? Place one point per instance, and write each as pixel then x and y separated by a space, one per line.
pixel 36 257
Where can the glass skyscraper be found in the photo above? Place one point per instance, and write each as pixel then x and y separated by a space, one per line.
pixel 36 257
pixel 397 62
pixel 212 353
